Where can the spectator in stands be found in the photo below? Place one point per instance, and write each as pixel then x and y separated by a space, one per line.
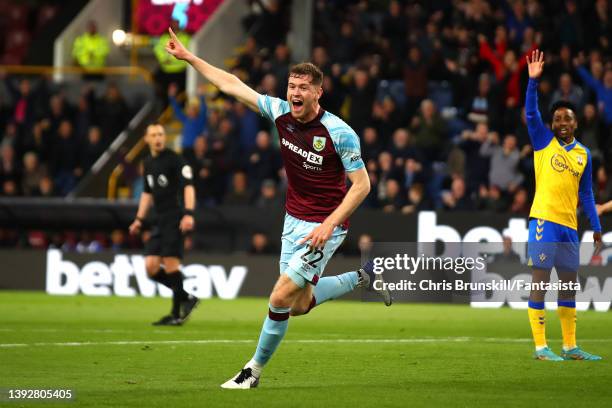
pixel 415 79
pixel 239 193
pixel 602 89
pixel 138 184
pixel 194 118
pixel 118 241
pixel 490 199
pixel 416 200
pixel 91 49
pixel 84 114
pixel 64 159
pixel 112 113
pixel 260 245
pixel 92 149
pixel 483 106
pixel 24 103
pixel 520 204
pixel 264 161
pixel 393 199
pixel 9 166
pixel 361 95
pixel 429 131
pixel 9 188
pixel 268 198
pixel 33 172
pixel 507 67
pixel 370 145
pixel 567 92
pixel 504 172
pixel 457 198
pixel 477 166
pixel 46 188
pixel 593 131
pixel 205 180
pixel 248 125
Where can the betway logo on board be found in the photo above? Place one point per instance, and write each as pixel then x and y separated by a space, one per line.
pixel 127 276
pixel 487 240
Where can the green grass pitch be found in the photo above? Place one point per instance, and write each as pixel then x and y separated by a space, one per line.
pixel 342 354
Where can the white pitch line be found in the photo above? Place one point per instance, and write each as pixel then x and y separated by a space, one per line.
pixel 298 341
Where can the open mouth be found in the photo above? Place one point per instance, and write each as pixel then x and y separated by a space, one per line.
pixel 297 105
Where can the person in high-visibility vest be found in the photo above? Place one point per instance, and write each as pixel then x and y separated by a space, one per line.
pixel 90 49
pixel 170 69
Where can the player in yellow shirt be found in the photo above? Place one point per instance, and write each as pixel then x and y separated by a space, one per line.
pixel 563 176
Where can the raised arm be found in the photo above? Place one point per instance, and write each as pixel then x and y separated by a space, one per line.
pixel 539 134
pixel 227 83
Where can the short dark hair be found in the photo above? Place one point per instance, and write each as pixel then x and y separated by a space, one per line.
pixel 562 104
pixel 307 68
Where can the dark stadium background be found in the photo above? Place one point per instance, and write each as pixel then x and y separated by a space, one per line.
pixel 434 89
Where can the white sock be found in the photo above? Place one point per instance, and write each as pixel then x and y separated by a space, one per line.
pixel 255 367
pixel 567 348
pixel 541 347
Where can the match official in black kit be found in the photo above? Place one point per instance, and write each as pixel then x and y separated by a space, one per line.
pixel 168 186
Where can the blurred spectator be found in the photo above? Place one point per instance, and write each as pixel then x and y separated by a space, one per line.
pixel 248 124
pixel 9 166
pixel 239 193
pixel 361 95
pixel 46 188
pixel 264 161
pixel 193 119
pixel 365 243
pixel 64 159
pixel 33 172
pixel 429 131
pixel 477 165
pixel 602 89
pixel 520 204
pixel 88 244
pixel 504 172
pixel 207 178
pixel 392 200
pixel 416 201
pixel 484 106
pixel 260 245
pixel 507 255
pixel 117 239
pixel 567 92
pixel 90 49
pixel 415 79
pixel 457 198
pixel 269 198
pixel 92 149
pixel 112 113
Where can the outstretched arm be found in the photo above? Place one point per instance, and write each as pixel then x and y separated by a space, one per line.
pixel 227 83
pixel 539 134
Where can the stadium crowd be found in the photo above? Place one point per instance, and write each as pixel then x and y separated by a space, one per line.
pixel 435 91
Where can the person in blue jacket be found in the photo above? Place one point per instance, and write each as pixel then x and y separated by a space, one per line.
pixel 194 118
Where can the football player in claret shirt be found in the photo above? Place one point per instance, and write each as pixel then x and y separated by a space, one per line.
pixel 168 186
pixel 563 176
pixel 319 151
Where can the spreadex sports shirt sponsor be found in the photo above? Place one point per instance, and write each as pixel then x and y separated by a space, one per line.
pixel 310 157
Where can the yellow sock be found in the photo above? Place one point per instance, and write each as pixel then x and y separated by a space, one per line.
pixel 538 323
pixel 567 315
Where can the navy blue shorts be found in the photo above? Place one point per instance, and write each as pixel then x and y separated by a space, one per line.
pixel 552 245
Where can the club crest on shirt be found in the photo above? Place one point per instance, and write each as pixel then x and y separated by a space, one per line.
pixel 318 143
pixel 162 180
pixel 580 161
